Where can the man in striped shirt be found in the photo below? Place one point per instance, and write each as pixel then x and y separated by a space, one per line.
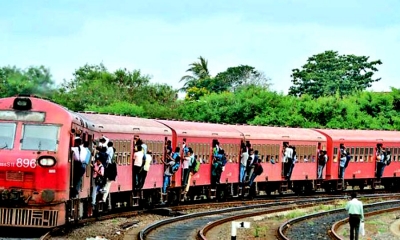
pixel 356 214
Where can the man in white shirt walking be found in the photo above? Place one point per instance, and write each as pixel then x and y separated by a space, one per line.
pixel 356 215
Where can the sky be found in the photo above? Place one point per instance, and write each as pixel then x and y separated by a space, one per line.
pixel 161 38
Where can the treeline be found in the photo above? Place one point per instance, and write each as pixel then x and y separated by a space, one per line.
pixel 327 92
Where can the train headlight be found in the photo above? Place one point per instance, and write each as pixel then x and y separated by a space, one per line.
pixel 47 161
pixel 22 103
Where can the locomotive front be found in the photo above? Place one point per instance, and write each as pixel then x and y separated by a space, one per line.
pixel 33 176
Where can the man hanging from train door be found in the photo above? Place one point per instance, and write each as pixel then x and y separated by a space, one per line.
pixel 79 157
pixel 287 160
pixel 380 160
pixel 343 160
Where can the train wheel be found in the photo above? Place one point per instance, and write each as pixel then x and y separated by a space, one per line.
pixel 173 198
pixel 149 201
pixel 328 188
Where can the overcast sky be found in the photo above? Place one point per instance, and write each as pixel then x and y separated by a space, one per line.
pixel 162 37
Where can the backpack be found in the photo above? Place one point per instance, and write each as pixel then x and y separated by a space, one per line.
pixel 100 180
pixel 175 167
pixel 224 160
pixel 258 170
pixel 111 171
pixel 196 167
pixel 321 160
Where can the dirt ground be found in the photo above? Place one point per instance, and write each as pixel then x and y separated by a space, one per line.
pixel 383 227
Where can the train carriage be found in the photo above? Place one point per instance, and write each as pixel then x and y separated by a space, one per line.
pixel 361 145
pixel 269 142
pixel 199 136
pixel 35 140
pixel 121 131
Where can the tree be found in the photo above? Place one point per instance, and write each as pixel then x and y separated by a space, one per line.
pixel 95 88
pixel 198 70
pixel 329 73
pixel 242 75
pixel 33 80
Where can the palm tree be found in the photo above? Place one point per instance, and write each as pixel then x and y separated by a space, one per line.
pixel 199 71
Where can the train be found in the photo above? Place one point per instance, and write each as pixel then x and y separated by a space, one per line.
pixel 36 165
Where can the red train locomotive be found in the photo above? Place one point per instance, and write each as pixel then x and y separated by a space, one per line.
pixel 36 164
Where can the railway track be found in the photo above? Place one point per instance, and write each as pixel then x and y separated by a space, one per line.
pixel 202 234
pixel 175 209
pixel 333 232
pixel 187 226
pixel 319 225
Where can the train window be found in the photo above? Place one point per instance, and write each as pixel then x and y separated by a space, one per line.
pixel 300 153
pixel 314 153
pixel 208 152
pixel 231 153
pixel 310 154
pixel 7 135
pixel 263 154
pixel 371 154
pixel 335 154
pixel 394 154
pixel 40 137
pixel 267 153
pixel 366 154
pixel 277 154
pixel 128 146
pixel 201 152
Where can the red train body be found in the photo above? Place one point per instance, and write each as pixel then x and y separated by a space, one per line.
pixel 36 166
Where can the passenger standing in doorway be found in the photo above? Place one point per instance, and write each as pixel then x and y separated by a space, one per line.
pixel 98 171
pixel 343 159
pixel 138 165
pixel 185 165
pixel 356 215
pixel 110 156
pixel 79 154
pixel 287 160
pixel 243 163
pixel 168 169
pixel 380 160
pixel 146 168
pixel 322 159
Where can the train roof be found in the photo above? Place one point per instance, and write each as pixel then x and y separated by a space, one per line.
pixel 125 124
pixel 200 129
pixel 279 133
pixel 362 135
pixel 47 107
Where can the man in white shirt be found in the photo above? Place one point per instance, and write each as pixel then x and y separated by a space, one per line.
pixel 79 154
pixel 356 215
pixel 243 163
pixel 146 168
pixel 110 155
pixel 287 159
pixel 137 165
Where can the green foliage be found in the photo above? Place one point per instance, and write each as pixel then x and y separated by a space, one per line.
pixel 33 80
pixel 94 85
pixel 233 96
pixel 328 74
pixel 242 75
pixel 198 70
pixel 122 108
